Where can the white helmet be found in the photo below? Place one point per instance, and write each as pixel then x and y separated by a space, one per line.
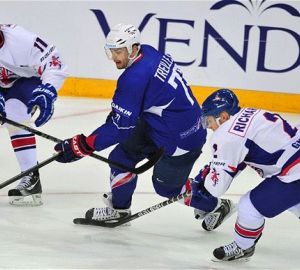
pixel 120 36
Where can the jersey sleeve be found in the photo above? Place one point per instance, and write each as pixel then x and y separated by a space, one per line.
pixel 47 62
pixel 126 108
pixel 227 163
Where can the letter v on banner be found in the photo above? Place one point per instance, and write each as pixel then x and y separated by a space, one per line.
pixel 104 24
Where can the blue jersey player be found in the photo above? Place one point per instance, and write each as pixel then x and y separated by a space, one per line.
pixel 265 142
pixel 152 107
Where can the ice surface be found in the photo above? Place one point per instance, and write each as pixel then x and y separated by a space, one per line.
pixel 170 238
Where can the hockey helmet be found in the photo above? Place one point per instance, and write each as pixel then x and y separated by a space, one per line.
pixel 122 36
pixel 219 101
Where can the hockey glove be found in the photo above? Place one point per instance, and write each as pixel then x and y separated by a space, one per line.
pixel 73 149
pixel 197 184
pixel 43 97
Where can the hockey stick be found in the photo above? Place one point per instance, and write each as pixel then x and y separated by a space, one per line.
pixel 146 166
pixel 113 224
pixel 32 169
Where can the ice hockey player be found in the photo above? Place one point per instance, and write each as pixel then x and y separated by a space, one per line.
pixel 31 72
pixel 265 142
pixel 152 107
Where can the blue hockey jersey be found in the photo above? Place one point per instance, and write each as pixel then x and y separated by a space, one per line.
pixel 153 89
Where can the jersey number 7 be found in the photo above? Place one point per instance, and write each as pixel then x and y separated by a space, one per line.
pixel 176 74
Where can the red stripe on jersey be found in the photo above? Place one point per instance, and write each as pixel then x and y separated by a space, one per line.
pixel 286 170
pixel 123 180
pixel 21 142
pixel 234 169
pixel 248 233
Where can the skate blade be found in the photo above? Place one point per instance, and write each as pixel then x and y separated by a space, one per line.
pixel 106 224
pixel 27 201
pixel 232 261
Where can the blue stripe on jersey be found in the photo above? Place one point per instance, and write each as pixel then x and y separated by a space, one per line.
pixel 24 148
pixel 260 156
pixel 18 136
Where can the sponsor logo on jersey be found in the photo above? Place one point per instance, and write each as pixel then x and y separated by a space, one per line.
pixel 121 110
pixel 218 163
pixel 243 121
pixel 214 177
pixel 191 130
pixel 47 54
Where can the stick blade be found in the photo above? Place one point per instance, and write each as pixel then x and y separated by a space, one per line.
pixel 150 163
pixel 84 221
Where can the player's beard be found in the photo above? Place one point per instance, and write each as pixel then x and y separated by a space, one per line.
pixel 120 65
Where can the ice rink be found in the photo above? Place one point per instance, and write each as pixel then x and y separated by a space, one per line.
pixel 170 238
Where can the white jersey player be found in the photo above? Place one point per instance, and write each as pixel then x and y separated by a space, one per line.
pixel 265 142
pixel 31 73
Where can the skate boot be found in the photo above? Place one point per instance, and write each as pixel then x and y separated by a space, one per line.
pixel 233 252
pixel 108 213
pixel 222 212
pixel 27 192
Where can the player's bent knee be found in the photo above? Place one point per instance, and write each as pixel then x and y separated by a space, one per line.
pixel 164 190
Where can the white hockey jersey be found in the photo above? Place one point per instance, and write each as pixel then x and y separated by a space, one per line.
pixel 24 54
pixel 260 139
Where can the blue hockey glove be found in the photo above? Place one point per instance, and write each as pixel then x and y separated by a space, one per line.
pixel 2 108
pixel 43 97
pixel 73 149
pixel 197 184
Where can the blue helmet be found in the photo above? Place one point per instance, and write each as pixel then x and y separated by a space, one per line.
pixel 219 101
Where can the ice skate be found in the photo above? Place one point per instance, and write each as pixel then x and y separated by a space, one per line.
pixel 232 252
pixel 27 192
pixel 108 213
pixel 222 212
pixel 105 216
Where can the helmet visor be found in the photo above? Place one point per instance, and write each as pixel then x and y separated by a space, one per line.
pixel 108 52
pixel 207 121
pixel 204 122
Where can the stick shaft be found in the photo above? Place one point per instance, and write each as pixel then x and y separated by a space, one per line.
pixel 152 209
pixel 117 165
